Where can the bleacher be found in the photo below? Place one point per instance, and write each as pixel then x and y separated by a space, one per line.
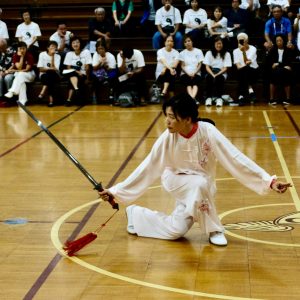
pixel 77 13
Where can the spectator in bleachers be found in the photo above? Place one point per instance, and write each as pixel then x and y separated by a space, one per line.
pixel 3 28
pixel 6 76
pixel 167 20
pixel 217 24
pixel 277 25
pixel 104 68
pixel 284 4
pixel 48 64
pixel 148 18
pixel 195 21
pixel 99 27
pixel 28 32
pixel 62 37
pixel 167 62
pixel 252 6
pixel 245 59
pixel 217 60
pixel 297 30
pixel 191 61
pixel 131 65
pixel 22 68
pixel 78 62
pixel 237 18
pixel 122 10
pixel 280 63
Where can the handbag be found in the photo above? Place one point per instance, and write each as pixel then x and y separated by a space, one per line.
pixel 101 74
pixel 168 29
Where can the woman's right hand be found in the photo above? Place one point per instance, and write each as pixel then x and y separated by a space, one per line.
pixel 105 195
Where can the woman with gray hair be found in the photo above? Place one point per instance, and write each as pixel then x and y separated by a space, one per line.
pixel 245 59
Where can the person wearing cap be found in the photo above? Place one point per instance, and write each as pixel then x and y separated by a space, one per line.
pixel 3 28
pixel 245 59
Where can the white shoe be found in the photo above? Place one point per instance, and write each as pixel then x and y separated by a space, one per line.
pixel 218 239
pixel 208 102
pixel 9 95
pixel 130 227
pixel 219 102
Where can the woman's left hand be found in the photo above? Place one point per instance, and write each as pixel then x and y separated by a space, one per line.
pixel 280 187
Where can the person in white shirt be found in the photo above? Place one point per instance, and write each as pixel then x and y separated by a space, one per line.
pixel 285 4
pixel 29 32
pixel 195 22
pixel 185 157
pixel 217 25
pixel 167 20
pixel 62 37
pixel 191 61
pixel 131 65
pixel 3 28
pixel 167 62
pixel 217 61
pixel 245 59
pixel 297 30
pixel 78 63
pixel 48 64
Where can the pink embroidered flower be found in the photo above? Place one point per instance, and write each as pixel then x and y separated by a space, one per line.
pixel 205 149
pixel 204 206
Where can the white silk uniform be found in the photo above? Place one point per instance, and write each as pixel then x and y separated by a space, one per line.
pixel 187 169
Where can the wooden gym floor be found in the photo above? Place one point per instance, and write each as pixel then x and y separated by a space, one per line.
pixel 45 199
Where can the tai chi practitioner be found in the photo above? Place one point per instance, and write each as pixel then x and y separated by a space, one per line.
pixel 185 157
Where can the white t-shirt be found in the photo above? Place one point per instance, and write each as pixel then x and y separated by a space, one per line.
pixel 111 61
pixel 218 62
pixel 245 4
pixel 191 59
pixel 84 58
pixel 282 3
pixel 298 33
pixel 251 54
pixel 55 37
pixel 27 32
pixel 223 22
pixel 171 58
pixel 45 61
pixel 3 30
pixel 135 61
pixel 168 18
pixel 195 18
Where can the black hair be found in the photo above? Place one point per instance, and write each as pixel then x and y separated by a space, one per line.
pixel 213 13
pixel 188 36
pixel 127 52
pixel 52 43
pixel 183 106
pixel 22 45
pixel 276 6
pixel 74 38
pixel 213 48
pixel 25 10
pixel 60 22
pixel 102 42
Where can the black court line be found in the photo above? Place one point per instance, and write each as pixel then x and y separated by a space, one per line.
pixel 39 132
pixel 56 259
pixel 292 120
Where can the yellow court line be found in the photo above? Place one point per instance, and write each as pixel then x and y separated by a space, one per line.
pixel 284 166
pixel 58 245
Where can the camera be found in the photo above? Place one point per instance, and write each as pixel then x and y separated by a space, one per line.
pixel 241 42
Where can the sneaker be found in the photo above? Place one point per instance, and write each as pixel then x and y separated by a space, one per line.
pixel 219 102
pixel 286 102
pixel 218 239
pixel 9 95
pixel 68 102
pixel 208 102
pixel 252 97
pixel 272 102
pixel 241 100
pixel 130 227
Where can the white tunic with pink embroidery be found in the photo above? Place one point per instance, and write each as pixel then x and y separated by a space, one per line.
pixel 187 169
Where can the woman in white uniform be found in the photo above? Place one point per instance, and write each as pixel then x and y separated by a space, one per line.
pixel 185 157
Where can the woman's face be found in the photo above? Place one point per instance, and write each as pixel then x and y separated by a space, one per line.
pixel 219 46
pixel 188 43
pixel 217 14
pixel 194 4
pixel 51 49
pixel 75 45
pixel 279 42
pixel 169 43
pixel 101 50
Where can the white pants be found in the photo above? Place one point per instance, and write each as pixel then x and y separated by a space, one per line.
pixel 19 84
pixel 190 191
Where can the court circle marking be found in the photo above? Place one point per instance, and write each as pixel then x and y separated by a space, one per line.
pixel 58 245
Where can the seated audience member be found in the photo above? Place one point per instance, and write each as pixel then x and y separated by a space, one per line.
pixel 252 6
pixel 122 10
pixel 22 68
pixel 77 62
pixel 279 61
pixel 167 20
pixel 3 28
pixel 195 21
pixel 245 59
pixel 28 32
pixel 277 25
pixel 217 60
pixel 297 30
pixel 100 27
pixel 6 76
pixel 191 61
pixel 48 64
pixel 256 24
pixel 104 68
pixel 217 24
pixel 237 18
pixel 167 62
pixel 148 18
pixel 131 64
pixel 284 4
pixel 62 37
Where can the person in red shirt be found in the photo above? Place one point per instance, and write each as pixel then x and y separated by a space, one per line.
pixel 22 68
